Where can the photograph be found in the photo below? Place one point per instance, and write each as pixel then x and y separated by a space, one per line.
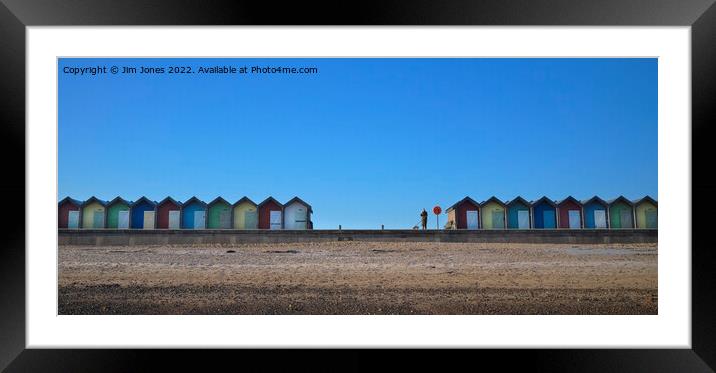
pixel 357 186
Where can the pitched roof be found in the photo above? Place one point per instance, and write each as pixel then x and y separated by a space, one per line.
pixel 70 200
pixel 466 199
pixel 119 199
pixel 645 199
pixel 244 199
pixel 217 200
pixel 595 199
pixel 169 199
pixel 144 199
pixel 517 199
pixel 192 200
pixel 493 199
pixel 269 199
pixel 569 198
pixel 296 199
pixel 94 199
pixel 620 198
pixel 544 199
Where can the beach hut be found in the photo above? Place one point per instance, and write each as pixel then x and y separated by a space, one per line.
pixel 544 213
pixel 219 214
pixel 518 214
pixel 118 213
pixel 169 214
pixel 142 214
pixel 645 210
pixel 93 213
pixel 193 213
pixel 297 214
pixel 245 214
pixel 595 213
pixel 270 214
pixel 493 213
pixel 621 213
pixel 569 212
pixel 464 214
pixel 68 213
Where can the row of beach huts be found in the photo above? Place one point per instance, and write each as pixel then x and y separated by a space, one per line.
pixel 544 213
pixel 191 214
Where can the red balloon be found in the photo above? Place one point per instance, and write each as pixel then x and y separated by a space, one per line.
pixel 437 210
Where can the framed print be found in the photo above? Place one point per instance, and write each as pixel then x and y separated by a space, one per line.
pixel 397 175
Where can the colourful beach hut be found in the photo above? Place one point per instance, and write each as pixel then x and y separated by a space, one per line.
pixel 270 214
pixel 245 214
pixel 169 214
pixel 193 213
pixel 621 213
pixel 464 214
pixel 297 214
pixel 595 213
pixel 118 213
pixel 569 212
pixel 518 214
pixel 93 213
pixel 493 213
pixel 544 213
pixel 68 213
pixel 219 214
pixel 645 210
pixel 142 214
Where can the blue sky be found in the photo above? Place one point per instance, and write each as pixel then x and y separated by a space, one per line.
pixel 364 141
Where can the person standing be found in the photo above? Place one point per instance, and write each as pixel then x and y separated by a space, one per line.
pixel 424 219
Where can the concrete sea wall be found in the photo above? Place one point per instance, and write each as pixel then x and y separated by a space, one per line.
pixel 129 237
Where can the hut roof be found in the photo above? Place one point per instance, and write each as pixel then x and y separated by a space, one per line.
pixel 94 199
pixel 544 199
pixel 144 199
pixel 493 199
pixel 618 199
pixel 569 198
pixel 595 199
pixel 517 199
pixel 466 199
pixel 269 199
pixel 244 199
pixel 645 199
pixel 296 199
pixel 192 200
pixel 217 200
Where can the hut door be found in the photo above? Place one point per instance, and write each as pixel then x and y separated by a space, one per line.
pixel 574 219
pixel 73 219
pixel 471 219
pixel 300 218
pixel 625 217
pixel 98 219
pixel 651 220
pixel 523 219
pixel 225 219
pixel 250 220
pixel 549 219
pixel 148 219
pixel 174 219
pixel 497 220
pixel 123 219
pixel 275 219
pixel 199 219
pixel 600 219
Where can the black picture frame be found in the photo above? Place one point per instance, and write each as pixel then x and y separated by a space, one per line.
pixel 700 15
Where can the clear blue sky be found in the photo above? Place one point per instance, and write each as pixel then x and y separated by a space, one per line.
pixel 364 141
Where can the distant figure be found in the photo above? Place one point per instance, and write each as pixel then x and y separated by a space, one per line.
pixel 424 219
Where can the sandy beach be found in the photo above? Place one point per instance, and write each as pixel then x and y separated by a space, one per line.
pixel 360 278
